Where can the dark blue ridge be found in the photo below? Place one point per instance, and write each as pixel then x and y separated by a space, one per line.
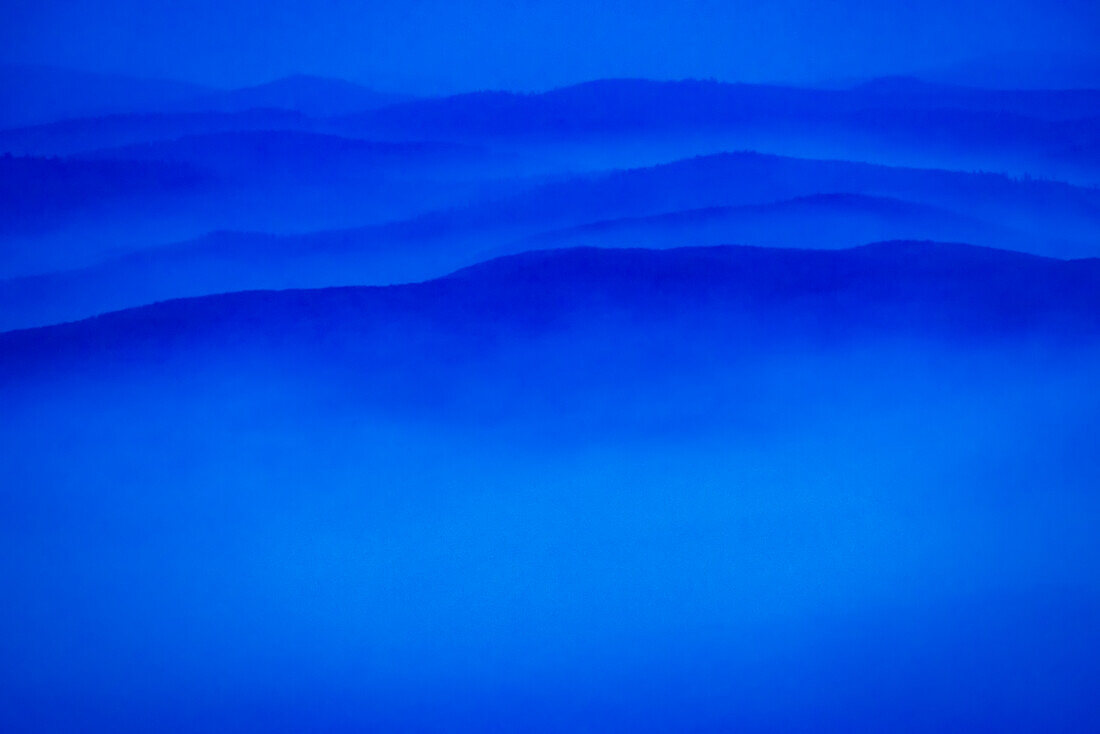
pixel 904 289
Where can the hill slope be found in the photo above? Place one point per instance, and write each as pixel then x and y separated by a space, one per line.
pixel 899 288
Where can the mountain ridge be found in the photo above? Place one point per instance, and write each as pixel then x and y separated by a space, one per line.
pixel 935 289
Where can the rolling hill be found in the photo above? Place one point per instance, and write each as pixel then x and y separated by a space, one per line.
pixel 310 95
pixel 823 221
pixel 892 121
pixel 260 154
pixel 740 198
pixel 893 288
pixel 87 134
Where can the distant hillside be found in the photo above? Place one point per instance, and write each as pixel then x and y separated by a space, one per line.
pixel 892 289
pixel 1049 211
pixel 262 153
pixel 310 95
pixel 891 120
pixel 822 221
pixel 94 133
pixel 36 192
pixel 727 199
pixel 640 105
pixel 34 95
pixel 280 181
